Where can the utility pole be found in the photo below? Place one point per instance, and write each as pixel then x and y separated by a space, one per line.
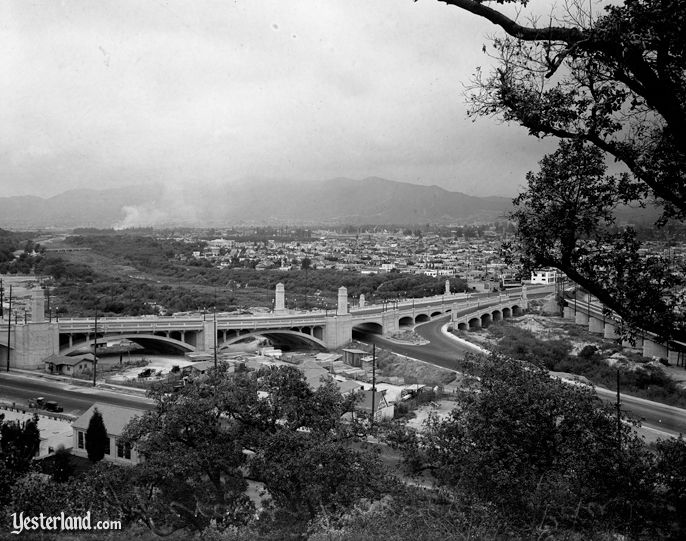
pixel 9 328
pixel 215 337
pixel 373 382
pixel 619 419
pixel 95 349
pixel 2 300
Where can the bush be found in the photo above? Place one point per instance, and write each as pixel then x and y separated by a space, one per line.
pixel 588 352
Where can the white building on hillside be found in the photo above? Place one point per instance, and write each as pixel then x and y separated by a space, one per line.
pixel 545 276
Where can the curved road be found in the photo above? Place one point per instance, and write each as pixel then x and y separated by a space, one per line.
pixel 445 352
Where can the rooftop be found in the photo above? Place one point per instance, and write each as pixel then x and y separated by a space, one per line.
pixel 114 417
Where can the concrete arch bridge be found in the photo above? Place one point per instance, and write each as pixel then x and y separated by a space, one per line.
pixel 33 341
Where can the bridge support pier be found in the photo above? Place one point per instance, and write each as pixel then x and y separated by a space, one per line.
pixel 338 331
pixel 596 325
pixel 638 343
pixel 654 349
pixel 610 331
pixel 32 343
pixel 677 358
pixel 568 312
pixel 581 318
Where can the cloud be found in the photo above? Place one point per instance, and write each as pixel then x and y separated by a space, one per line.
pixel 120 92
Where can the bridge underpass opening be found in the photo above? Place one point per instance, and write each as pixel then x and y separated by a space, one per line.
pixel 283 340
pixel 147 344
pixel 361 331
pixel 475 323
pixel 434 314
pixel 422 318
pixel 497 315
pixel 485 320
pixel 406 322
pixel 462 327
pixel 507 313
pixel 151 345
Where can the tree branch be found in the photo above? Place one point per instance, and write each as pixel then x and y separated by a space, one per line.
pixel 526 33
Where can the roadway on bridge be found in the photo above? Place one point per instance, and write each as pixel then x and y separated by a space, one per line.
pixel 75 399
pixel 441 350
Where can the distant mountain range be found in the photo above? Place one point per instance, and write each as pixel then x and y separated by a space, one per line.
pixel 336 201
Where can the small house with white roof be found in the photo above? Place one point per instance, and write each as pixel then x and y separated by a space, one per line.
pixel 115 419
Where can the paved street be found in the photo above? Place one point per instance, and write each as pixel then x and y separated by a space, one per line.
pixel 75 399
pixel 445 352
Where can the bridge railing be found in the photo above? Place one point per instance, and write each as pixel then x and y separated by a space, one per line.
pixel 164 323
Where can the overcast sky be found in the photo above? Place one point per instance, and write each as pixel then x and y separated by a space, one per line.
pixel 120 92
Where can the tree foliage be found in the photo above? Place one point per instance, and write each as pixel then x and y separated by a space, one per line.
pixel 614 79
pixel 97 441
pixel 196 446
pixel 545 453
pixel 19 443
pixel 565 219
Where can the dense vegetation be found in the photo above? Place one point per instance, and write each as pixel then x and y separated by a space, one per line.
pixel 551 460
pixel 168 280
pixel 11 242
pixel 646 381
pixel 525 457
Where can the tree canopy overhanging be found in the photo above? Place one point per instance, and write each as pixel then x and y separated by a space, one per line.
pixel 613 82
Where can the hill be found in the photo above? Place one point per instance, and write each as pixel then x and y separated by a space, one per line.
pixel 336 201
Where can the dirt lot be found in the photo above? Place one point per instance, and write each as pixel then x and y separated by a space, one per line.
pixel 412 371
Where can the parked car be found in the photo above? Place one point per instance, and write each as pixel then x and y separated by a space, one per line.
pixel 51 405
pixel 37 403
pixel 42 404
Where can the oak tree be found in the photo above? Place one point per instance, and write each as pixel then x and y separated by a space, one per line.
pixel 615 79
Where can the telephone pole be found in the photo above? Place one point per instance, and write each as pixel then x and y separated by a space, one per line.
pixel 373 383
pixel 619 419
pixel 215 337
pixel 95 349
pixel 9 329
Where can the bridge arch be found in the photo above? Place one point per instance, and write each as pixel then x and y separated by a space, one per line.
pixel 369 327
pixel 516 311
pixel 462 326
pixel 140 339
pixel 270 332
pixel 422 318
pixel 406 321
pixel 485 320
pixel 507 312
pixel 475 323
pixel 436 313
pixel 496 315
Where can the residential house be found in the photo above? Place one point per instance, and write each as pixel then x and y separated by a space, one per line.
pixel 69 366
pixel 115 419
pixel 382 408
